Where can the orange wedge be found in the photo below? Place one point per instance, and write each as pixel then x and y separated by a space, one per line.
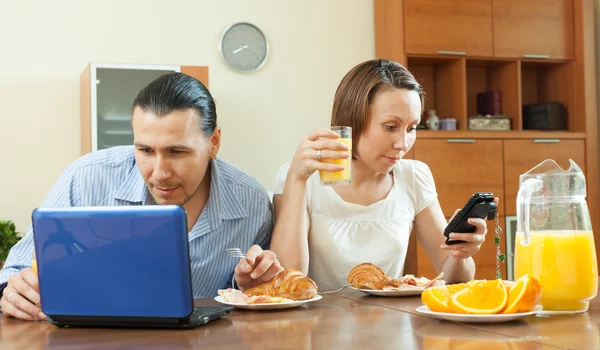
pixel 436 298
pixel 508 284
pixel 524 295
pixel 482 297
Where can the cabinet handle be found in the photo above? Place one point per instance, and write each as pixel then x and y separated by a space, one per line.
pixel 459 53
pixel 546 140
pixel 461 140
pixel 536 56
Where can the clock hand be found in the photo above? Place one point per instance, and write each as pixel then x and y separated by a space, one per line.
pixel 240 49
pixel 253 49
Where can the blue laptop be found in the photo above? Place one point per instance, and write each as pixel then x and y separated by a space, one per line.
pixel 117 266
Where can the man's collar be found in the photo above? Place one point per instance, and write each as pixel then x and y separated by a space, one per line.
pixel 133 189
pixel 222 202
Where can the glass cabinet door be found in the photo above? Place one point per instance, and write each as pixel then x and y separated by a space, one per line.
pixel 116 89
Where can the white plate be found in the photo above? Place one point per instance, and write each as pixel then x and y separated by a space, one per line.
pixel 268 306
pixel 494 318
pixel 392 293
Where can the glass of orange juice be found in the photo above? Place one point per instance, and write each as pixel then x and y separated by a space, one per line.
pixel 330 178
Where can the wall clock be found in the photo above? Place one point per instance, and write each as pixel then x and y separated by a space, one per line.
pixel 244 47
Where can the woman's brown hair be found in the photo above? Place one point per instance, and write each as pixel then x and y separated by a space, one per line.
pixel 359 88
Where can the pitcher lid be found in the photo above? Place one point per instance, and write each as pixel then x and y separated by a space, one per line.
pixel 556 180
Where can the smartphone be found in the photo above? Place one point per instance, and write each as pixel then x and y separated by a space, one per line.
pixel 481 205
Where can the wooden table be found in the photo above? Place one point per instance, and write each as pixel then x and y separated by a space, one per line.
pixel 347 320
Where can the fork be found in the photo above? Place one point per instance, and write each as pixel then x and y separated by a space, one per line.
pixel 238 253
pixel 344 287
pixel 337 290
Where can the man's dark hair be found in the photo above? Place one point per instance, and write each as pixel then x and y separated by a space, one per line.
pixel 179 92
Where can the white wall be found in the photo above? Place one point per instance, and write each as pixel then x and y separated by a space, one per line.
pixel 46 44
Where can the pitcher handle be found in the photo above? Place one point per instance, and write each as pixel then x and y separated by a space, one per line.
pixel 523 200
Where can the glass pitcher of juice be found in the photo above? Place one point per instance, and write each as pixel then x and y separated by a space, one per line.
pixel 554 239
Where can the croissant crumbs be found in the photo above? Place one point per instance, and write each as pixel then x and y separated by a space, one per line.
pixel 485 297
pixel 289 285
pixel 367 275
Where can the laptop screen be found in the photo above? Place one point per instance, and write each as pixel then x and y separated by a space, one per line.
pixel 130 261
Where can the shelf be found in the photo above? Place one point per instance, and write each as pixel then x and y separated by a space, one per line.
pixel 543 81
pixel 491 134
pixel 443 80
pixel 426 57
pixel 495 75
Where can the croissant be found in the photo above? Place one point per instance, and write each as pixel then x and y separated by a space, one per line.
pixel 370 276
pixel 290 284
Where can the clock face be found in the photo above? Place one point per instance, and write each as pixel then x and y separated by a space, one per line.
pixel 244 47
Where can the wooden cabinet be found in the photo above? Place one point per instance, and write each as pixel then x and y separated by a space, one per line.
pixel 107 94
pixel 522 155
pixel 550 81
pixel 424 265
pixel 533 28
pixel 541 51
pixel 448 27
pixel 443 79
pixel 461 167
pixel 494 75
pixel 485 259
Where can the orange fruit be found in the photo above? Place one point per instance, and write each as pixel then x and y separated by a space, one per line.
pixel 481 297
pixel 524 295
pixel 436 298
pixel 508 284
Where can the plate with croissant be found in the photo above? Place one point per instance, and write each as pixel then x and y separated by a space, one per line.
pixel 290 288
pixel 370 279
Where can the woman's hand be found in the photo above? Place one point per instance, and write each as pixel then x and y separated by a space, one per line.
pixel 472 241
pixel 319 144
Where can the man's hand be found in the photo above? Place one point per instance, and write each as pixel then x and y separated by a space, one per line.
pixel 261 267
pixel 21 297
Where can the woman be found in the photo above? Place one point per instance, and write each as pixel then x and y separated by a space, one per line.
pixel 326 231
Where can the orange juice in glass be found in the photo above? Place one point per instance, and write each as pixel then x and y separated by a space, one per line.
pixel 554 239
pixel 330 178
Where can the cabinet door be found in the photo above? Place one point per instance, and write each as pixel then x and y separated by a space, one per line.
pixel 110 89
pixel 448 26
pixel 485 259
pixel 533 27
pixel 522 155
pixel 461 167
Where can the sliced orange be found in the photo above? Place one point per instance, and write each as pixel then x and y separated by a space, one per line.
pixel 482 297
pixel 436 298
pixel 508 284
pixel 524 295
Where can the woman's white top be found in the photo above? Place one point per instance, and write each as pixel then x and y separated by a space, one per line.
pixel 343 235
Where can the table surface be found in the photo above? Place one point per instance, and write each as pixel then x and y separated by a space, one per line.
pixel 348 319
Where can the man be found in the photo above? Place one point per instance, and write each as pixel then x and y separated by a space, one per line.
pixel 173 161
